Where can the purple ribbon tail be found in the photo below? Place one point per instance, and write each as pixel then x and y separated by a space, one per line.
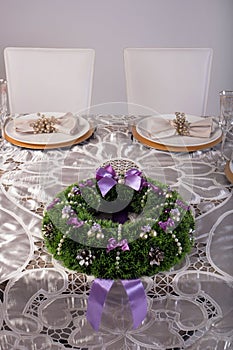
pixel 99 291
pixel 96 300
pixel 121 216
pixel 105 184
pixel 133 181
pixel 137 300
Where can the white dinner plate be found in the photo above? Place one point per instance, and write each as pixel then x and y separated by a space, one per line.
pixel 143 129
pixel 54 139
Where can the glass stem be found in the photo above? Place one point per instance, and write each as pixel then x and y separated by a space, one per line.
pixel 224 134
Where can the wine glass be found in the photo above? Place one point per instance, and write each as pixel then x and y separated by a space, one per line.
pixel 3 102
pixel 226 117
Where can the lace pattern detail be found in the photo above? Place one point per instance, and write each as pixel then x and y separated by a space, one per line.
pixel 43 305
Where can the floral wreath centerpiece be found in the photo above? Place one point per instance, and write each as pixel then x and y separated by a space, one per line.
pixel 118 225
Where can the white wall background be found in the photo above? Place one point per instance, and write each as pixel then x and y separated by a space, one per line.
pixel 109 26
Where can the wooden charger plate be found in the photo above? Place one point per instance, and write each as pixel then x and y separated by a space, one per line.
pixel 50 145
pixel 46 141
pixel 164 147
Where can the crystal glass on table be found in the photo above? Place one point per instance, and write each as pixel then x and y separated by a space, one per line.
pixel 226 117
pixel 3 102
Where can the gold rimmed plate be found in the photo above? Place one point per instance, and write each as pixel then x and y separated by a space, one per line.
pixel 175 143
pixel 46 141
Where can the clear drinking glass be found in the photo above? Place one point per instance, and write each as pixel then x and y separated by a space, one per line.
pixel 226 116
pixel 3 102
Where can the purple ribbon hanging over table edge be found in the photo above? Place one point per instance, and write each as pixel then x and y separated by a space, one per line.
pixel 99 291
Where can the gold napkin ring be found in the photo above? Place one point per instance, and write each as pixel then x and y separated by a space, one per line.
pixel 181 124
pixel 44 125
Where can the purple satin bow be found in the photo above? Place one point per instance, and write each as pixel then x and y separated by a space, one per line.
pixel 98 294
pixel 133 179
pixel 106 179
pixel 112 244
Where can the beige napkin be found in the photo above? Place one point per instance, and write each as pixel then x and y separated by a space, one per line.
pixel 66 124
pixel 159 128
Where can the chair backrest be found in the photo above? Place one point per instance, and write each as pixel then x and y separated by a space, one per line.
pixel 167 80
pixel 49 79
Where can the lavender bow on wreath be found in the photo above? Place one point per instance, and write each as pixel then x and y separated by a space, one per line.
pixel 113 244
pixel 107 178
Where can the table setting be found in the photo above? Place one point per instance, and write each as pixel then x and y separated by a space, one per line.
pixel 49 303
pixel 162 132
pixel 57 130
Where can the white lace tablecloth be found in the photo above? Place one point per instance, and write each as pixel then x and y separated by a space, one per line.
pixel 43 305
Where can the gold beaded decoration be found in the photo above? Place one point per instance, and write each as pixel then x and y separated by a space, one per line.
pixel 44 125
pixel 181 124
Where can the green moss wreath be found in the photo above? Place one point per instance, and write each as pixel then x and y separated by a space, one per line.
pixel 118 226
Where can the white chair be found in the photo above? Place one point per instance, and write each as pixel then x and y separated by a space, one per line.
pixel 49 79
pixel 167 80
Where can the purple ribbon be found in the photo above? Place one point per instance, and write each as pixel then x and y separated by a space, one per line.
pixel 137 300
pixel 121 216
pixel 112 244
pixel 106 179
pixel 96 300
pixel 99 291
pixel 133 179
